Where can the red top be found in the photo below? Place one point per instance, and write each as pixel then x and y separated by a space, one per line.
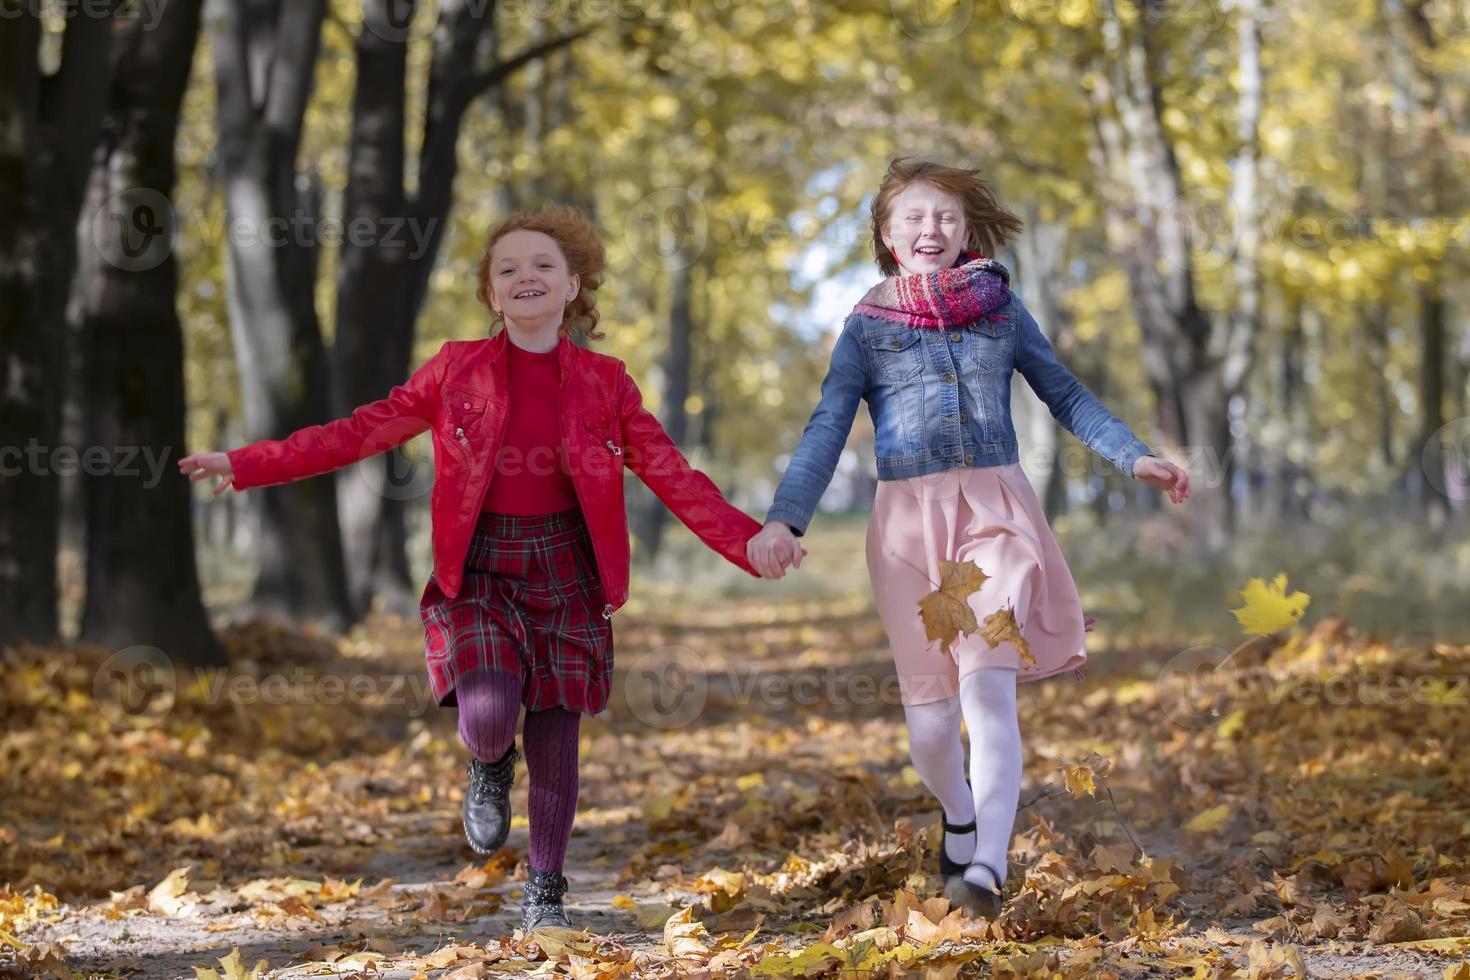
pixel 531 474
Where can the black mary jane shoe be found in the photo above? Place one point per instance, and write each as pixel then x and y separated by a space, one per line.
pixel 541 907
pixel 947 868
pixel 487 802
pixel 977 900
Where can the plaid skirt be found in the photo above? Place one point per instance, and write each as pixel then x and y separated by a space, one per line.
pixel 531 605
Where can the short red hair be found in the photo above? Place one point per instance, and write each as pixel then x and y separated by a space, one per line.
pixel 580 244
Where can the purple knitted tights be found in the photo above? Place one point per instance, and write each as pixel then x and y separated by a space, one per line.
pixel 489 704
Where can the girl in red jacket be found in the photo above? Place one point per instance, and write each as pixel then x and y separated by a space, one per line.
pixel 531 433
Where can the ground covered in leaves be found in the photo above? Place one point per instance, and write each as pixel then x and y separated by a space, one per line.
pixel 747 809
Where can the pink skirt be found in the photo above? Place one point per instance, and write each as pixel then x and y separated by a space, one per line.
pixel 990 516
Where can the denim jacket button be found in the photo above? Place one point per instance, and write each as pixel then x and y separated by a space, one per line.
pixel 962 417
pixel 954 336
pixel 969 458
pixel 949 378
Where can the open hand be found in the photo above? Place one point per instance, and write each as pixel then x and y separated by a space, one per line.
pixel 201 466
pixel 1164 475
pixel 772 549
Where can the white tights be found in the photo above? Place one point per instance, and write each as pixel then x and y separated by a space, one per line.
pixel 987 700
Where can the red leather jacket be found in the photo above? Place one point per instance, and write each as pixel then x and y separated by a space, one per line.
pixel 460 396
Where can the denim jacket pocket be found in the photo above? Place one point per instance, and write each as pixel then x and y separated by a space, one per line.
pixel 897 355
pixel 993 342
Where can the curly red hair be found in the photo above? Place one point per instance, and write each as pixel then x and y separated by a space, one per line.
pixel 581 245
pixel 989 226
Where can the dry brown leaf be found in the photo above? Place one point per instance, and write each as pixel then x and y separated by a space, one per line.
pixel 1001 627
pixel 686 938
pixel 167 897
pixel 946 611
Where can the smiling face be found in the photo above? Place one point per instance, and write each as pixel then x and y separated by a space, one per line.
pixel 529 282
pixel 925 229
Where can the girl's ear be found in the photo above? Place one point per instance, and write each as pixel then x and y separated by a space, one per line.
pixel 576 286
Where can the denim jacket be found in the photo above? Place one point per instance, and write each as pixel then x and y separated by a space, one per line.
pixel 940 399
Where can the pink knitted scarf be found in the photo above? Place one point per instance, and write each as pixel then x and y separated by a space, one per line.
pixel 945 298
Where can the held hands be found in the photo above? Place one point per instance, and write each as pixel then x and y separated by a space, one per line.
pixel 201 466
pixel 771 549
pixel 1164 475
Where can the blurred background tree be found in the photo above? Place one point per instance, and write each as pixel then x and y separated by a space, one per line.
pixel 1245 230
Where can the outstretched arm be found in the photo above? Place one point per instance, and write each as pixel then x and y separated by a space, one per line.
pixel 371 429
pixel 815 458
pixel 1078 410
pixel 689 493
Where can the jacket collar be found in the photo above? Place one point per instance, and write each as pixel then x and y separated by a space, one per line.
pixel 569 358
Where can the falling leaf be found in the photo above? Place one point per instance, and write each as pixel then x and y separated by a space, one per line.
pixel 1268 609
pixel 1079 780
pixel 946 611
pixel 1001 627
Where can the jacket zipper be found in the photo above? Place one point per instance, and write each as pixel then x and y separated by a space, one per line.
pixel 607 608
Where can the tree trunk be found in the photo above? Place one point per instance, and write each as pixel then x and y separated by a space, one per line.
pixel 1194 366
pixel 50 123
pixel 1041 254
pixel 382 284
pixel 1291 470
pixel 142 584
pixel 1431 162
pixel 372 346
pixel 673 413
pixel 265 54
pixel 1429 468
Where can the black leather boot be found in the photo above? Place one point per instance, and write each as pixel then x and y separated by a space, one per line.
pixel 487 801
pixel 542 904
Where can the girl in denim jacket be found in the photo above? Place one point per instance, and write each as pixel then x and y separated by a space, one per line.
pixel 931 349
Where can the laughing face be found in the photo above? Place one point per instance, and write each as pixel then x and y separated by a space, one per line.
pixel 529 282
pixel 925 229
